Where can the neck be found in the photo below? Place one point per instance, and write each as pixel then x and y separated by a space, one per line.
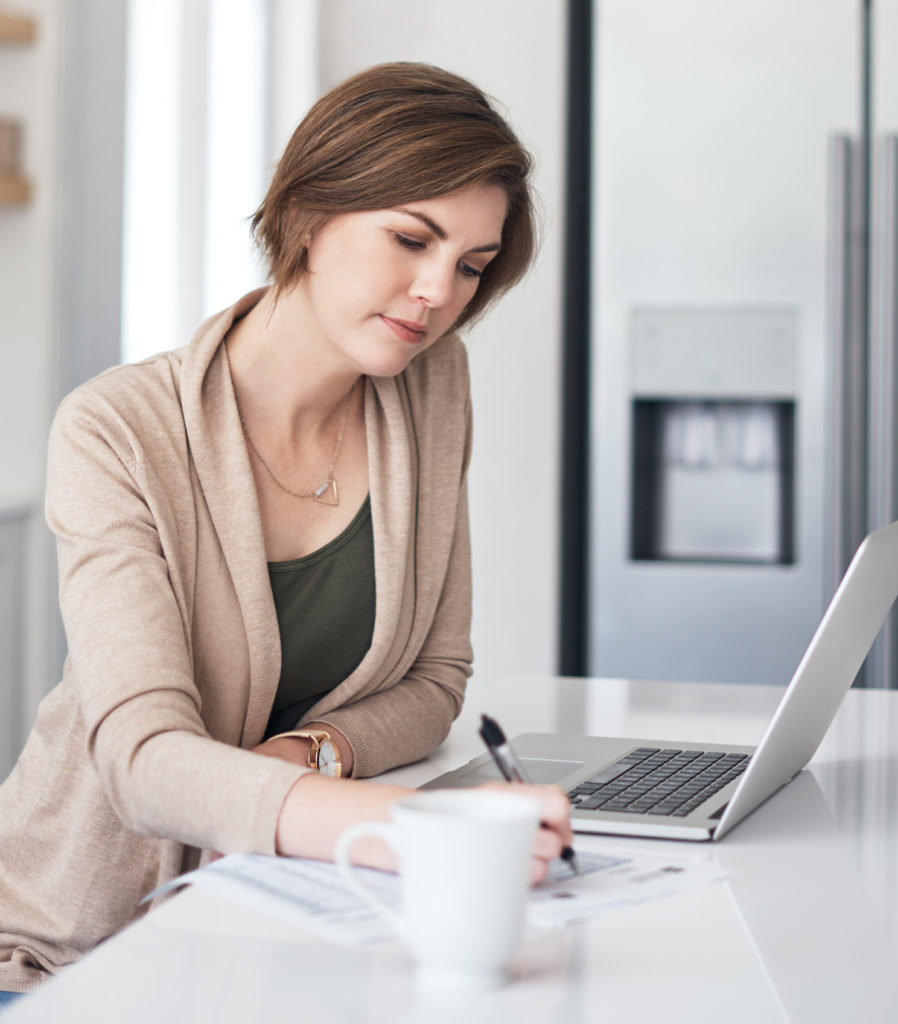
pixel 282 382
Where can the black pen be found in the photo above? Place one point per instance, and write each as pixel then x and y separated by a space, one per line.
pixel 512 770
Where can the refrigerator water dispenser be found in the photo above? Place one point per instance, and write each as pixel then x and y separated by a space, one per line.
pixel 713 421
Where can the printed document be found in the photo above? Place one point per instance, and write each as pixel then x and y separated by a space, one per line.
pixel 313 893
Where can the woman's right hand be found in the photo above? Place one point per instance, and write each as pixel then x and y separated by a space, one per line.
pixel 319 809
pixel 555 818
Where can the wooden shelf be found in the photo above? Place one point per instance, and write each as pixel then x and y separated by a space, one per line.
pixel 14 191
pixel 16 28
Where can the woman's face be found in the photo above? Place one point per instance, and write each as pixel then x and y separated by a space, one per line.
pixel 384 285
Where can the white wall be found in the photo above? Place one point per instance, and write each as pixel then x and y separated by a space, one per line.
pixel 28 82
pixel 29 87
pixel 514 50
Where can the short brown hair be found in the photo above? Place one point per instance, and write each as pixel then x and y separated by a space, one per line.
pixel 394 134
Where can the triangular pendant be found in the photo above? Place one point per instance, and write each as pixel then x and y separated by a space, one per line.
pixel 327 493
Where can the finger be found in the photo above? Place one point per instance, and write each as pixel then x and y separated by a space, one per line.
pixel 554 806
pixel 547 844
pixel 555 809
pixel 557 812
pixel 538 870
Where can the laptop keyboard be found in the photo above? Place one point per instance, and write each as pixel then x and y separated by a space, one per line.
pixel 650 780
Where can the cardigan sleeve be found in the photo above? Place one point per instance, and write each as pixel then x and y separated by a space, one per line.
pixel 410 719
pixel 128 631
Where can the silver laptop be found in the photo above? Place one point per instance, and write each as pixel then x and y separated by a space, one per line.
pixel 694 791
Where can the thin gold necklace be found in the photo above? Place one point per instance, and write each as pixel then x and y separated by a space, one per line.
pixel 327 492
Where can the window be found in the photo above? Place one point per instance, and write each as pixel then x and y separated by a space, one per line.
pixel 210 88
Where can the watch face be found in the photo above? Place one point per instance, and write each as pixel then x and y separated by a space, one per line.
pixel 328 759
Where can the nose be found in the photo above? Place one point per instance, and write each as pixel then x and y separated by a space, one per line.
pixel 434 283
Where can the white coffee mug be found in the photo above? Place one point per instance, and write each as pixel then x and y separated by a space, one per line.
pixel 464 861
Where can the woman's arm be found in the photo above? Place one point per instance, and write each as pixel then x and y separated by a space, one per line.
pixel 127 612
pixel 318 810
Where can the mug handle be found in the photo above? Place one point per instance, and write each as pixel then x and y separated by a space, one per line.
pixel 341 856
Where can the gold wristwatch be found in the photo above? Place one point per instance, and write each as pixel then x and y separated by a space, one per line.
pixel 324 755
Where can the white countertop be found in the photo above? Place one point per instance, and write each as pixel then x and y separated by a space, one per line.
pixel 804 929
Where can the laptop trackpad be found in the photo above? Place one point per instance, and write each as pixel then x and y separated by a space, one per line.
pixel 539 769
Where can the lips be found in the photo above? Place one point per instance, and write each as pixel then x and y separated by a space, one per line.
pixel 406 330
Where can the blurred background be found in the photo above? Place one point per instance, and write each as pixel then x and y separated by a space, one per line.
pixel 684 418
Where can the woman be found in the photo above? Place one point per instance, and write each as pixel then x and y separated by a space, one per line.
pixel 266 531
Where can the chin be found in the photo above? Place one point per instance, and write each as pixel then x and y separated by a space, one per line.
pixel 390 363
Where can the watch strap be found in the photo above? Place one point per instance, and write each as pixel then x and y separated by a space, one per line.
pixel 317 736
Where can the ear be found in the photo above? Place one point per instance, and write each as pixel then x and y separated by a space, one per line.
pixel 307 238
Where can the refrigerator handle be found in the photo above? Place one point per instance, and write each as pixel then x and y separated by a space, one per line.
pixel 884 343
pixel 845 511
pixel 882 663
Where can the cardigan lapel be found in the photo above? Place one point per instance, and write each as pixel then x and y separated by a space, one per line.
pixel 393 469
pixel 393 472
pixel 222 465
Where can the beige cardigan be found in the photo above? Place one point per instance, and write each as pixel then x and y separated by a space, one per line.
pixel 135 765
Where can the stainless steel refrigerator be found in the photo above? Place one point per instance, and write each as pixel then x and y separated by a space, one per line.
pixel 744 243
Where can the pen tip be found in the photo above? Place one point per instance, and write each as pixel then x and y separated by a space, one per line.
pixel 570 858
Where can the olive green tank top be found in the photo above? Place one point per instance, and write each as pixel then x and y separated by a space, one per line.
pixel 325 604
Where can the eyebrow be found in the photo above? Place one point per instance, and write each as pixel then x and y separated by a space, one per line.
pixel 441 232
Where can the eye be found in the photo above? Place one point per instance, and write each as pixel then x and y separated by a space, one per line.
pixel 468 271
pixel 408 243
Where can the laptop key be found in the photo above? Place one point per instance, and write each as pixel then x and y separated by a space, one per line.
pixel 610 772
pixel 616 805
pixel 590 803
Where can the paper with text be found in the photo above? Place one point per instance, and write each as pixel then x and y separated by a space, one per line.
pixel 309 892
